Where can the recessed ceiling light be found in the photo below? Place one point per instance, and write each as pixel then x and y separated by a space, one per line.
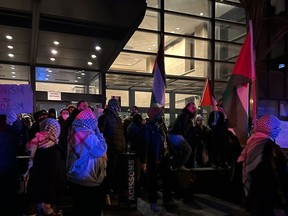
pixel 93 56
pixel 90 63
pixel 47 75
pixel 83 74
pixel 46 78
pixel 10 47
pixel 98 48
pixel 52 59
pixel 11 55
pixel 13 72
pixel 78 77
pixel 56 42
pixel 201 14
pixel 12 67
pixel 13 76
pixel 9 37
pixel 76 80
pixel 53 51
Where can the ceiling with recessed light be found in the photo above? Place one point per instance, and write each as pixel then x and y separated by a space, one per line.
pixel 66 35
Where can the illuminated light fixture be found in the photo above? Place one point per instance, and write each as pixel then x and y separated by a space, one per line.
pixel 13 76
pixel 13 72
pixel 78 77
pixel 48 75
pixel 9 37
pixel 11 55
pixel 56 42
pixel 46 78
pixel 281 66
pixel 52 59
pixel 12 67
pixel 83 74
pixel 93 56
pixel 177 28
pixel 201 14
pixel 10 47
pixel 54 52
pixel 76 81
pixel 49 70
pixel 89 63
pixel 98 48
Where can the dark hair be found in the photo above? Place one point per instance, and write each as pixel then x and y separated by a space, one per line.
pixel 81 101
pixel 137 118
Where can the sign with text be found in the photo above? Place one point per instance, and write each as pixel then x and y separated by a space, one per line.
pixel 16 98
pixel 54 96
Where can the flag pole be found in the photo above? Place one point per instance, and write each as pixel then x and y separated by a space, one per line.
pixel 253 77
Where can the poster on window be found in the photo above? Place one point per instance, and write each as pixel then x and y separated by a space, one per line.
pixel 16 98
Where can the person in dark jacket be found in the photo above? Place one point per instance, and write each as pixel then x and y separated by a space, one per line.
pixel 136 143
pixel 110 124
pixel 157 157
pixel 10 131
pixel 47 175
pixel 178 135
pixel 265 173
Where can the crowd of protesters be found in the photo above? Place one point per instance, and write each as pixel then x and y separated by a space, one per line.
pixel 189 142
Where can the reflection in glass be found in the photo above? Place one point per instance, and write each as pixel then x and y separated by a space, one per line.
pixel 199 8
pixel 186 25
pixel 230 32
pixel 186 67
pixel 187 47
pixel 150 20
pixel 227 51
pixel 230 13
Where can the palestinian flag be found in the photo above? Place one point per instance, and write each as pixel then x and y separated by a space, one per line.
pixel 236 94
pixel 208 100
pixel 159 79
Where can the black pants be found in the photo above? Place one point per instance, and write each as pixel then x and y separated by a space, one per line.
pixel 87 200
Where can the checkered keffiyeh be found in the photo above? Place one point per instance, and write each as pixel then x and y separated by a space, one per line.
pixel 267 124
pixel 51 126
pixel 48 135
pixel 85 119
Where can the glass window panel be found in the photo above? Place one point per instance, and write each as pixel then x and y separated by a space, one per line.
pixel 230 32
pixel 187 47
pixel 181 100
pixel 150 20
pixel 186 67
pixel 223 70
pixel 57 87
pixel 17 73
pixel 118 93
pixel 134 62
pixel 143 41
pixel 2 81
pixel 142 99
pixel 230 13
pixel 226 51
pixel 187 26
pixel 219 88
pixel 76 81
pixel 200 8
pixel 153 3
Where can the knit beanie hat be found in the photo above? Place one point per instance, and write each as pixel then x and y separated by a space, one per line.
pixel 268 124
pixel 153 112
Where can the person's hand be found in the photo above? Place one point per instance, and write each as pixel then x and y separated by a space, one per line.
pixel 144 167
pixel 11 118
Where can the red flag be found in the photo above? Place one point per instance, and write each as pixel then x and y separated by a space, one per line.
pixel 236 94
pixel 208 100
pixel 159 79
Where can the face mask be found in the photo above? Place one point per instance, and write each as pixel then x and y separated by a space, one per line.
pixel 65 116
